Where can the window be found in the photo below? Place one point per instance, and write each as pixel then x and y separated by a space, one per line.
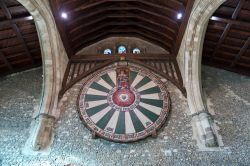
pixel 107 51
pixel 122 50
pixel 136 51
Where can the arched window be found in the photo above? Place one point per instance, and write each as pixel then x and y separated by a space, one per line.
pixel 136 51
pixel 122 50
pixel 107 51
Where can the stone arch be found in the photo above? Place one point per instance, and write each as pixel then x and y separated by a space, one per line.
pixel 54 64
pixel 190 62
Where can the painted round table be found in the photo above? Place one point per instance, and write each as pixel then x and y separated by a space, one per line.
pixel 124 103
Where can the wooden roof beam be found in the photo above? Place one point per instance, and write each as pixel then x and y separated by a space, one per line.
pixel 122 34
pixel 231 21
pixel 127 15
pixel 110 8
pixel 182 29
pixel 61 27
pixel 228 27
pixel 21 39
pixel 128 23
pixel 238 8
pixel 99 2
pixel 129 30
pixel 100 57
pixel 15 20
pixel 113 33
pixel 5 60
pixel 16 29
pixel 242 52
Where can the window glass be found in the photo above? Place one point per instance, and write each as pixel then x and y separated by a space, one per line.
pixel 136 51
pixel 122 50
pixel 107 51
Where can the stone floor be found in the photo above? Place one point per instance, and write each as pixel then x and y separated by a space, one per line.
pixel 227 95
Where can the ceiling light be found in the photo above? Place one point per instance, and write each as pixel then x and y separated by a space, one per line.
pixel 179 16
pixel 64 15
pixel 30 18
pixel 214 18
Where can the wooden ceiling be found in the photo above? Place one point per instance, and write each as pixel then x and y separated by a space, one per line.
pixel 227 40
pixel 19 44
pixel 90 21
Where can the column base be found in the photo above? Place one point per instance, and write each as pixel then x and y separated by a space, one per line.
pixel 204 133
pixel 210 138
pixel 41 135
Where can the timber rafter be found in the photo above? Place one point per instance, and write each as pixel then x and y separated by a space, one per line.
pixel 92 20
pixel 19 45
pixel 81 66
pixel 227 40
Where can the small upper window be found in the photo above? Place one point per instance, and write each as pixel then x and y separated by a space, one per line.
pixel 107 51
pixel 122 50
pixel 136 51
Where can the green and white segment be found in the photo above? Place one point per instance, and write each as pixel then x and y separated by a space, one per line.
pixel 119 125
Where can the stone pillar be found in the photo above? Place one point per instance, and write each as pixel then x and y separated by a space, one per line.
pixel 189 59
pixel 42 132
pixel 54 65
pixel 205 133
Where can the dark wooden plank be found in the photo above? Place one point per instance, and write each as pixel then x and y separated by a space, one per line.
pixel 242 52
pixel 227 28
pixel 5 60
pixel 101 22
pixel 90 39
pixel 231 21
pixel 20 37
pixel 90 21
pixel 72 82
pixel 178 72
pixel 101 57
pixel 66 75
pixel 16 20
pixel 16 29
pixel 182 28
pixel 61 25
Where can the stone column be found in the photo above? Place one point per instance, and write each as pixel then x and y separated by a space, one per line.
pixel 42 132
pixel 189 60
pixel 202 126
pixel 54 64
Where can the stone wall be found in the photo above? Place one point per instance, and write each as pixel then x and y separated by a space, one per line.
pixel 55 59
pixel 227 95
